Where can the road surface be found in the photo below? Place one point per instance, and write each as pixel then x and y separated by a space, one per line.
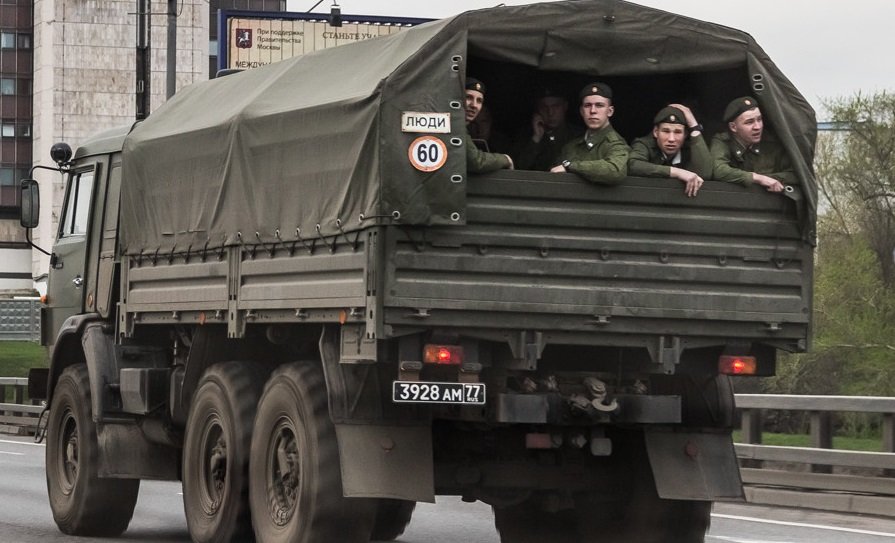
pixel 25 515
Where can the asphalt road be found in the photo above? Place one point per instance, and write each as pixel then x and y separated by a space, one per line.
pixel 25 515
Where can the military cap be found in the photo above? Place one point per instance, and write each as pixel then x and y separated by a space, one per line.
pixel 739 106
pixel 595 89
pixel 474 84
pixel 670 114
pixel 546 91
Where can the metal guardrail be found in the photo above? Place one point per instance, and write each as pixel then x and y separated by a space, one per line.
pixel 865 482
pixel 17 417
pixel 812 486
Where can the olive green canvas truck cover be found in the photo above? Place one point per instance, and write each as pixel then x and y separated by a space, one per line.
pixel 316 140
pixel 299 172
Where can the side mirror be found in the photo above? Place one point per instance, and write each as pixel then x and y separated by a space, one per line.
pixel 30 210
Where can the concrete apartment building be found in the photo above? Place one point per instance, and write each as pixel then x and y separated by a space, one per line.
pixel 68 71
pixel 16 83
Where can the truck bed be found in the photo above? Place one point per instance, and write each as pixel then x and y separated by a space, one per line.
pixel 539 252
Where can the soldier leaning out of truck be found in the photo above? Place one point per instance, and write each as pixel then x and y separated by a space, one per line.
pixel 601 156
pixel 675 149
pixel 747 154
pixel 478 161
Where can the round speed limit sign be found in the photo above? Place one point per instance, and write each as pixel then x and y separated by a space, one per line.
pixel 427 153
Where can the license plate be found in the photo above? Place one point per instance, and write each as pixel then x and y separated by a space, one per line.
pixel 452 393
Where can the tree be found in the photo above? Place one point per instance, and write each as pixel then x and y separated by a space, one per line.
pixel 856 175
pixel 854 306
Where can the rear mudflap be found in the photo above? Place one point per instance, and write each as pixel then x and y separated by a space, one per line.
pixel 694 465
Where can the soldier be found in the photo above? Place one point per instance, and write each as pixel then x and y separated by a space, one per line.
pixel 482 130
pixel 670 152
pixel 478 161
pixel 539 147
pixel 601 156
pixel 747 154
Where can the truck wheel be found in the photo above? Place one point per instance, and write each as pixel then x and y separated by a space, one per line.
pixel 528 522
pixel 83 504
pixel 639 514
pixel 392 518
pixel 295 482
pixel 215 452
pixel 706 400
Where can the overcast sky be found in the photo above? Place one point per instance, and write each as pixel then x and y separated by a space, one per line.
pixel 826 49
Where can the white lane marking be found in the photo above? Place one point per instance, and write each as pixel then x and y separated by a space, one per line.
pixel 12 453
pixel 738 540
pixel 23 443
pixel 804 525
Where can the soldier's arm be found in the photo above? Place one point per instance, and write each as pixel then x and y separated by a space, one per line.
pixel 639 164
pixel 478 161
pixel 721 168
pixel 609 170
pixel 700 158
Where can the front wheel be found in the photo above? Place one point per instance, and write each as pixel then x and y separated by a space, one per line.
pixel 83 504
pixel 295 483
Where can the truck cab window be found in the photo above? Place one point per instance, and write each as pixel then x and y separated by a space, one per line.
pixel 77 205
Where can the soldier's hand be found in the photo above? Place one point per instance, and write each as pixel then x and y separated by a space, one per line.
pixel 692 182
pixel 537 128
pixel 558 169
pixel 510 160
pixel 690 118
pixel 768 182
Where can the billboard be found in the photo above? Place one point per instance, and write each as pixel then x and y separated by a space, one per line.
pixel 248 39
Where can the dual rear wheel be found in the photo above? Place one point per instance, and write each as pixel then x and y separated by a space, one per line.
pixel 262 461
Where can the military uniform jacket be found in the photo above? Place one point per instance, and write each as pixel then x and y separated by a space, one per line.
pixel 647 160
pixel 734 163
pixel 541 156
pixel 599 157
pixel 478 161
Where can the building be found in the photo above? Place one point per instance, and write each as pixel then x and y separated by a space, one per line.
pixel 16 58
pixel 85 80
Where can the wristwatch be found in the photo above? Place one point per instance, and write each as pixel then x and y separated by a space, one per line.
pixel 697 128
pixel 565 164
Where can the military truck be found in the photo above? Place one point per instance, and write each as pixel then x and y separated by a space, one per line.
pixel 284 289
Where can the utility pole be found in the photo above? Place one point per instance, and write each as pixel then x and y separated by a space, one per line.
pixel 144 60
pixel 171 86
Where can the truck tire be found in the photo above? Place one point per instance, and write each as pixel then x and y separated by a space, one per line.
pixel 528 522
pixel 216 452
pixel 392 518
pixel 639 514
pixel 295 482
pixel 83 504
pixel 707 401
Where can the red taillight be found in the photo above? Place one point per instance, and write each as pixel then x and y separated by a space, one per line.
pixel 737 365
pixel 443 354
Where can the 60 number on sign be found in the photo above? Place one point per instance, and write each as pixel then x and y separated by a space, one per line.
pixel 427 153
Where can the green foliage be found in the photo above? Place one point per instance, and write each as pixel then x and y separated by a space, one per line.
pixel 854 297
pixel 871 444
pixel 17 357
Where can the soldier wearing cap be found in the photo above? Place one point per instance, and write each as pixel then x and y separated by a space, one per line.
pixel 670 152
pixel 539 147
pixel 478 161
pixel 747 153
pixel 601 156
